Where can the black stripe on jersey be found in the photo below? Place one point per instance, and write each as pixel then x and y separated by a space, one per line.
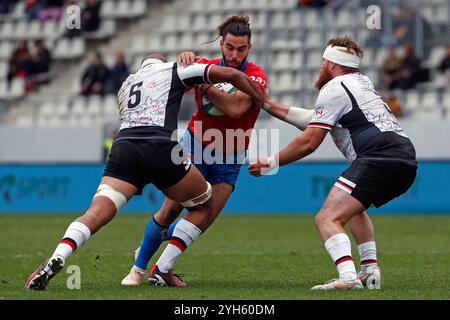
pixel 370 142
pixel 177 89
pixel 355 121
pixel 361 130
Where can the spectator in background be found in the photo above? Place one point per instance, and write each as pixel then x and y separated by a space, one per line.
pixel 20 62
pixel 24 64
pixel 42 59
pixel 95 77
pixel 32 8
pixel 90 17
pixel 410 72
pixel 52 9
pixel 118 73
pixel 6 6
pixel 312 3
pixel 390 68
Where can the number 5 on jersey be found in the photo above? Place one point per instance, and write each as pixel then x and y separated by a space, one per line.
pixel 135 91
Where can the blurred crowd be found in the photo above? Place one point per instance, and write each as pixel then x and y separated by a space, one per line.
pixel 313 3
pixel 402 71
pixel 406 70
pixel 32 61
pixel 6 6
pixel 32 65
pixel 98 79
pixel 90 18
pixel 401 68
pixel 55 10
pixel 44 9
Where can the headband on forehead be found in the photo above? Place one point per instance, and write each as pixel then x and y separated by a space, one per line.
pixel 150 61
pixel 342 56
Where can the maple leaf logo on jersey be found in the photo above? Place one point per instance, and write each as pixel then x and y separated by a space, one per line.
pixel 319 111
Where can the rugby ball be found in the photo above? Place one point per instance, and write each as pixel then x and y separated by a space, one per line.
pixel 208 108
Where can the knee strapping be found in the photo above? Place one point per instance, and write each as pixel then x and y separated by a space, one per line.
pixel 200 199
pixel 115 196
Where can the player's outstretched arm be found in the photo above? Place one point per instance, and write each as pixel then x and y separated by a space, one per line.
pixel 297 149
pixel 238 79
pixel 298 117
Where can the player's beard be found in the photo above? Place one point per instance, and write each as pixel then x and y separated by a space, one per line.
pixel 226 64
pixel 323 78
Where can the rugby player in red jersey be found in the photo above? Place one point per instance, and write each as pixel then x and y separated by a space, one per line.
pixel 240 114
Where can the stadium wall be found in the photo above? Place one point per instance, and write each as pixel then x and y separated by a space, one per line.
pixel 298 188
pixel 50 145
pixel 84 144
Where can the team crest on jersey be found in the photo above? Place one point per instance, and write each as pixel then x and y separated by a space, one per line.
pixel 152 84
pixel 319 111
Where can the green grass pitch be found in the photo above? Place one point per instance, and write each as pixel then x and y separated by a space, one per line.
pixel 241 257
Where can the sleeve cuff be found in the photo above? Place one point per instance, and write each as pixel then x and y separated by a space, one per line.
pixel 325 126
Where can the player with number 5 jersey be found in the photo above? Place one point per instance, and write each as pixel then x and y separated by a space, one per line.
pixel 144 153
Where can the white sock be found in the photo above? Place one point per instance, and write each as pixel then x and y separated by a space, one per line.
pixel 368 253
pixel 76 234
pixel 340 249
pixel 183 235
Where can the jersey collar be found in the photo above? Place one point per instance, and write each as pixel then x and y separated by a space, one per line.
pixel 242 68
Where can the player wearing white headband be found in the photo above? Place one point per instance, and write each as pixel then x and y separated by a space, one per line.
pixel 382 161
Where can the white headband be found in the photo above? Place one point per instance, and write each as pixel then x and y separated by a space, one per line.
pixel 150 61
pixel 342 56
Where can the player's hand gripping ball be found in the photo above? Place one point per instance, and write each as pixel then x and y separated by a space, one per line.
pixel 208 107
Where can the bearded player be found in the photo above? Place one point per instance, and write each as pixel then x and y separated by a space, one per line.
pixel 382 161
pixel 240 113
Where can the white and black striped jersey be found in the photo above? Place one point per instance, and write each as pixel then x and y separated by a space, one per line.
pixel 149 100
pixel 361 124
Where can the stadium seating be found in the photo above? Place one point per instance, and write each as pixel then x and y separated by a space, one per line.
pixel 288 42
